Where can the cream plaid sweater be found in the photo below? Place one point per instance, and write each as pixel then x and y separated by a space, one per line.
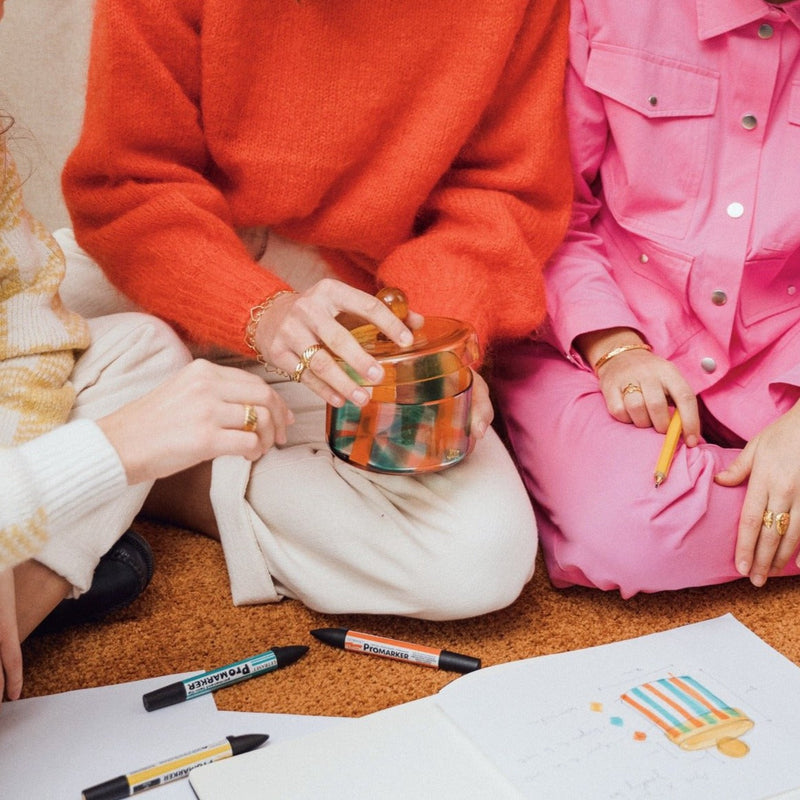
pixel 43 478
pixel 38 336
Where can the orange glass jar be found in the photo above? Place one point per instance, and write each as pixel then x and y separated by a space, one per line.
pixel 418 417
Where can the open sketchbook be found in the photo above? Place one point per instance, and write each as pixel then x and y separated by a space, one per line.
pixel 705 710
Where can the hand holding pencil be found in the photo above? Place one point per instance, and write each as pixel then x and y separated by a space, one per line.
pixel 639 386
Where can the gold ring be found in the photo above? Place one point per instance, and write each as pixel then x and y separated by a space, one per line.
pixel 631 388
pixel 298 371
pixel 781 521
pixel 250 419
pixel 308 353
pixel 305 361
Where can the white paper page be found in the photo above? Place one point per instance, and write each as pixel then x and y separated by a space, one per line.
pixel 280 727
pixel 408 751
pixel 558 728
pixel 57 745
pixel 53 747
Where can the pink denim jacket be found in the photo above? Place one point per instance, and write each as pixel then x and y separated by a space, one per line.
pixel 686 226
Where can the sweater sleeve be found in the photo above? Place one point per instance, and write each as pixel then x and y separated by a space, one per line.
pixel 51 480
pixel 136 184
pixel 496 217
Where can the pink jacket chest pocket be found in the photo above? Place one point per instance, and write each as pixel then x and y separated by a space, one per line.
pixel 660 116
pixel 771 287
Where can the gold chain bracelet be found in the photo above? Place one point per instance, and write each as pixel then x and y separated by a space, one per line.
pixel 618 351
pixel 256 312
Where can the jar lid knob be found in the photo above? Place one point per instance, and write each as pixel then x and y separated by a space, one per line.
pixel 396 300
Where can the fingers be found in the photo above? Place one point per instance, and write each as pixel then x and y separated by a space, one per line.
pixel 769 528
pixel 786 525
pixel 369 308
pixel 767 540
pixel 684 399
pixel 639 388
pixel 738 470
pixel 11 672
pixel 288 330
pixel 10 651
pixel 747 537
pixel 482 412
pixel 643 410
pixel 194 416
pixel 324 372
pixel 325 376
pixel 258 423
pixel 243 402
pixel 643 403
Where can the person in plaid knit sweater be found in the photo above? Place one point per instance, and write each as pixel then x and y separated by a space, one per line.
pixel 71 486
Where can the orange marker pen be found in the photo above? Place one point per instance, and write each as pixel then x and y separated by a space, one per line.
pixel 397 650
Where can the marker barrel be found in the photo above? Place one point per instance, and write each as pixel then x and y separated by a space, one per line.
pixel 224 676
pixel 397 650
pixel 173 768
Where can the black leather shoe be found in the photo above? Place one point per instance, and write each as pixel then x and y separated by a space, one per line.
pixel 122 574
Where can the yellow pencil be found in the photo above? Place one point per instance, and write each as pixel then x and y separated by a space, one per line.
pixel 668 449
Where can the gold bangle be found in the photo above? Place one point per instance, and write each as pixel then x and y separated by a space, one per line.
pixel 256 312
pixel 617 351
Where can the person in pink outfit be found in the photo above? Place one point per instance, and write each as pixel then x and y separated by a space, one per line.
pixel 677 286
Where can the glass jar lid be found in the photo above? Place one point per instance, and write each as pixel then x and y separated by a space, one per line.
pixel 440 347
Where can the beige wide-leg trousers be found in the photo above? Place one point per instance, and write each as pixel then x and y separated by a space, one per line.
pixel 130 353
pixel 301 523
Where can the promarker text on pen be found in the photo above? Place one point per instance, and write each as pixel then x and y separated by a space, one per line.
pixel 173 768
pixel 397 650
pixel 671 439
pixel 223 676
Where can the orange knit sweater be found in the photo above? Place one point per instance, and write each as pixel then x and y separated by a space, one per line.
pixel 418 143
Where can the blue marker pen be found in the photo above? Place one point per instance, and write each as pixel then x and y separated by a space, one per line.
pixel 223 676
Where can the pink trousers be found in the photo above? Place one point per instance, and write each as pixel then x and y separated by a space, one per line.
pixel 602 523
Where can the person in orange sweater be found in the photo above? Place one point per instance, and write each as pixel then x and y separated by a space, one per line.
pixel 249 172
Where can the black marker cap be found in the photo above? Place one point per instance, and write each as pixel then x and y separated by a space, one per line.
pixel 110 790
pixel 165 696
pixel 332 636
pixel 288 655
pixel 455 662
pixel 246 742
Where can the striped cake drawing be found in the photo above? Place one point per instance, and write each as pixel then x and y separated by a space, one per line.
pixel 690 715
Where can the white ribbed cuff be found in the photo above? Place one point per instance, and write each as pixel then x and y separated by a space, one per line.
pixel 75 468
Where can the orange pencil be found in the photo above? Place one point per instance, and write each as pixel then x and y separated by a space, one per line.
pixel 668 449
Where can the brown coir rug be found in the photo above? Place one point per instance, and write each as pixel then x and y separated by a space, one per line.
pixel 185 621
